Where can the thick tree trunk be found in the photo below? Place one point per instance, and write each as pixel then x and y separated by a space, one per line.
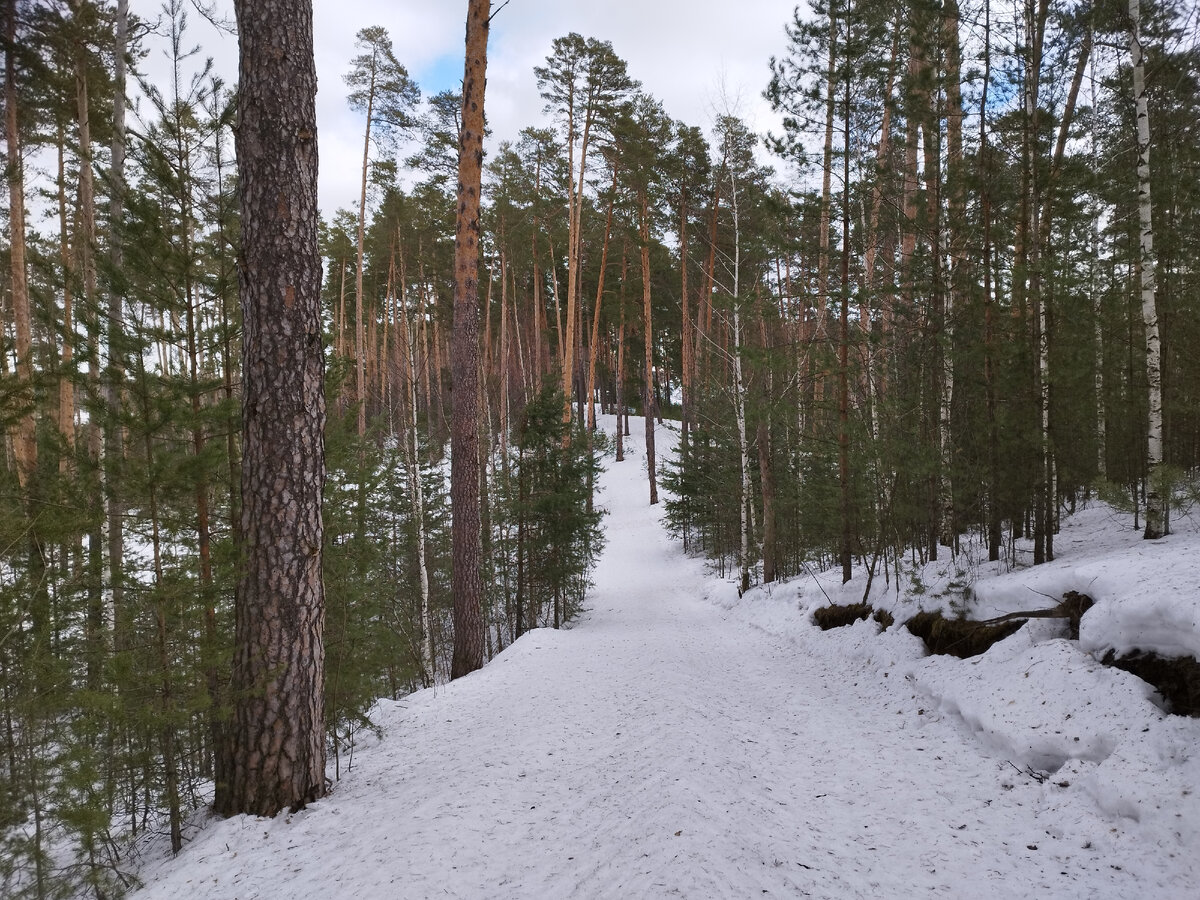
pixel 467 550
pixel 278 729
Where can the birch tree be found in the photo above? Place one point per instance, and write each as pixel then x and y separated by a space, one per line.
pixel 1157 523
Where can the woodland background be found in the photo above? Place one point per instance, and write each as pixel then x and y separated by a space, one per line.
pixel 939 315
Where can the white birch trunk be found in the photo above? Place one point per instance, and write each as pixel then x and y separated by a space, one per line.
pixel 1156 506
pixel 739 392
pixel 417 505
pixel 1098 306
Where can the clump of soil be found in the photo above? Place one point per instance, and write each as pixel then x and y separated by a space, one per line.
pixel 884 618
pixel 959 637
pixel 838 616
pixel 1176 680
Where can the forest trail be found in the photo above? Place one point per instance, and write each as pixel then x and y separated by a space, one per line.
pixel 661 747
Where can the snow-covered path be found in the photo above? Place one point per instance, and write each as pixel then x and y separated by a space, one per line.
pixel 662 747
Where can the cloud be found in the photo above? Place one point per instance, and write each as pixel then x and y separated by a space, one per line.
pixel 687 54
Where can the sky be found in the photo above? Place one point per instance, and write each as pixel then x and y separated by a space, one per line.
pixel 696 56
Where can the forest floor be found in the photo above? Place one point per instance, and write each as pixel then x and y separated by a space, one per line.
pixel 678 741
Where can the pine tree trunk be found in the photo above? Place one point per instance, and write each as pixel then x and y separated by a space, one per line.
pixel 467 551
pixel 360 380
pixel 844 353
pixel 278 730
pixel 994 518
pixel 25 432
pixel 685 373
pixel 595 338
pixel 648 344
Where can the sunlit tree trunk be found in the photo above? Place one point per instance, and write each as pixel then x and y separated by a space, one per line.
pixel 595 339
pixel 467 551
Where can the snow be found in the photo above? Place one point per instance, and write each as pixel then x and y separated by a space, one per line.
pixel 681 741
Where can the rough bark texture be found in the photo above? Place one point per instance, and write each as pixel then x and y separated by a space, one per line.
pixel 467 552
pixel 24 438
pixel 278 731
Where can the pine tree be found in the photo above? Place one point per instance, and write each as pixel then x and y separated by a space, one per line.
pixel 278 734
pixel 464 451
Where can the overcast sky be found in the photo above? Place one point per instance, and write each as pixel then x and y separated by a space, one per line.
pixel 682 51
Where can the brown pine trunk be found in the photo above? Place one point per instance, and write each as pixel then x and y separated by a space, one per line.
pixel 595 339
pixel 24 436
pixel 648 344
pixel 278 729
pixel 704 307
pixel 466 537
pixel 685 375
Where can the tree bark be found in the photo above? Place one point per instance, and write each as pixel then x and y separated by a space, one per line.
pixel 24 438
pixel 114 435
pixel 467 551
pixel 1157 524
pixel 278 729
pixel 360 380
pixel 648 344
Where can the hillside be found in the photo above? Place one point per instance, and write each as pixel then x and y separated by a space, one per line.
pixel 680 741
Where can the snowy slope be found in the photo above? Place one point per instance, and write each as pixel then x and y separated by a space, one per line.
pixel 678 741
